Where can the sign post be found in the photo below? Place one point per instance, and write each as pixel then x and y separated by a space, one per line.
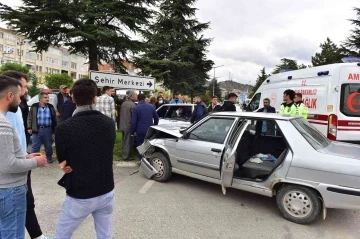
pixel 120 81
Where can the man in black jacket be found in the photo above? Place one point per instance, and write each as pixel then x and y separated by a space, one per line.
pixel 230 104
pixel 69 108
pixel 84 146
pixel 214 106
pixel 59 101
pixel 266 127
pixel 41 124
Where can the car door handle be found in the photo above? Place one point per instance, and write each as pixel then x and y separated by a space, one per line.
pixel 216 150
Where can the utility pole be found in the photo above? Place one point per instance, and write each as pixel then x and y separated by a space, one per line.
pixel 214 67
pixel 20 43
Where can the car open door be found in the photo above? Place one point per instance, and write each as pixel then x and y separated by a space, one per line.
pixel 229 158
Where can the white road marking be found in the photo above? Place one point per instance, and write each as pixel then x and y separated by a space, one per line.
pixel 146 186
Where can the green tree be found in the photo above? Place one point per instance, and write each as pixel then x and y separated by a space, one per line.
pixel 14 67
pixel 286 64
pixel 351 46
pixel 175 51
pixel 54 81
pixel 217 90
pixel 330 53
pixel 261 78
pixel 33 88
pixel 97 29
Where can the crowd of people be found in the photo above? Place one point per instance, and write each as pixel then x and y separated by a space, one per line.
pixel 84 127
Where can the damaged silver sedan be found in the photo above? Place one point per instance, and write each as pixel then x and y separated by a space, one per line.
pixel 266 154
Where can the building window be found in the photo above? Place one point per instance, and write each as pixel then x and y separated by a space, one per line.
pixel 10 37
pixel 1 48
pixel 39 68
pixel 1 35
pixel 65 53
pixel 8 50
pixel 73 65
pixel 39 57
pixel 65 63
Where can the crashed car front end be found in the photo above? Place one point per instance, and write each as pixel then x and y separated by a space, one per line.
pixel 155 140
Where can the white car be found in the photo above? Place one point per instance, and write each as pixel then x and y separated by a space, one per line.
pixel 175 114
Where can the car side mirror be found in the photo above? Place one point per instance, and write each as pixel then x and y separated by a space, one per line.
pixel 186 135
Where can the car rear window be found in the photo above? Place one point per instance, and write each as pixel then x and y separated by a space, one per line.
pixel 179 112
pixel 350 100
pixel 316 139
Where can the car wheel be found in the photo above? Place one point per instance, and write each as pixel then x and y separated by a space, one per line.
pixel 161 163
pixel 298 204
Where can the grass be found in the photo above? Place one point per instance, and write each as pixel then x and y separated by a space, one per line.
pixel 117 155
pixel 118 149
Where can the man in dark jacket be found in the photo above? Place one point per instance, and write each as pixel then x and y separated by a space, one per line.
pixel 69 108
pixel 199 111
pixel 84 145
pixel 266 127
pixel 59 101
pixel 230 104
pixel 41 124
pixel 143 117
pixel 215 106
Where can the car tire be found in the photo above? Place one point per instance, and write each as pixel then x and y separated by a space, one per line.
pixel 161 163
pixel 299 204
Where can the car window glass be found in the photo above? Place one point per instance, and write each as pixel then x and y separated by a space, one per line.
pixel 264 127
pixel 236 132
pixel 255 102
pixel 316 139
pixel 213 130
pixel 178 112
pixel 350 99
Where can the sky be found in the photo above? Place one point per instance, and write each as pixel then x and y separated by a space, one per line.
pixel 251 34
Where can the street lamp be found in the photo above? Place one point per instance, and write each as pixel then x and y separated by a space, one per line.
pixel 214 67
pixel 20 43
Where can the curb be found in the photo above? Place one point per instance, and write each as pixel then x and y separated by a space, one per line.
pixel 128 164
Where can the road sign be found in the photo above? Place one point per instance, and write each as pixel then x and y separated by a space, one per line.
pixel 120 81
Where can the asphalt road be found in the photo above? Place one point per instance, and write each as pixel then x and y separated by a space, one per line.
pixel 186 208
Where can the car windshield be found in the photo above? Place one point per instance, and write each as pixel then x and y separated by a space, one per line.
pixel 316 139
pixel 177 112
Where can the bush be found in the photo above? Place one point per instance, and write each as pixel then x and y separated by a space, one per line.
pixel 33 88
pixel 54 81
pixel 14 67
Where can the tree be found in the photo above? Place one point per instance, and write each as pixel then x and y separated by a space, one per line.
pixel 175 51
pixel 286 64
pixel 261 78
pixel 217 90
pixel 97 29
pixel 54 81
pixel 330 53
pixel 351 46
pixel 33 89
pixel 9 66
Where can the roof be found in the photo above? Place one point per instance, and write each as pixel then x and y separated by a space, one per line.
pixel 257 115
pixel 308 72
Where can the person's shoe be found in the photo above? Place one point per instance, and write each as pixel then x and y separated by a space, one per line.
pixel 50 161
pixel 129 159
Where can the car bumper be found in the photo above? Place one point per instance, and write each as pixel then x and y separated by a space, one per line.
pixel 340 197
pixel 147 169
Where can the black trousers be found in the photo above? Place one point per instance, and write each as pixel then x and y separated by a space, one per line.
pixel 31 222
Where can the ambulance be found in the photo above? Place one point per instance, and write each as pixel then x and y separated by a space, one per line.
pixel 331 93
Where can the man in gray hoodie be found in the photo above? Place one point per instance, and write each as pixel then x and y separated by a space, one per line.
pixel 14 164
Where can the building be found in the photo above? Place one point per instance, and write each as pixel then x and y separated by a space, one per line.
pixel 15 48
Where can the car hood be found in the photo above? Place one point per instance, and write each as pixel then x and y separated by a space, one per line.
pixel 170 129
pixel 343 149
pixel 173 121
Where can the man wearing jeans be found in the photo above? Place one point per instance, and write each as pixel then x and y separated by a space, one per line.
pixel 84 146
pixel 14 164
pixel 41 124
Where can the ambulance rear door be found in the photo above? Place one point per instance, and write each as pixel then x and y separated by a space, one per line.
pixel 346 122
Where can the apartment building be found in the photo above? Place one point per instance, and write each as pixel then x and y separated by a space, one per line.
pixel 15 48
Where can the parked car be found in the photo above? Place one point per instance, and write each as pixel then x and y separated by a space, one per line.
pixel 178 114
pixel 293 161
